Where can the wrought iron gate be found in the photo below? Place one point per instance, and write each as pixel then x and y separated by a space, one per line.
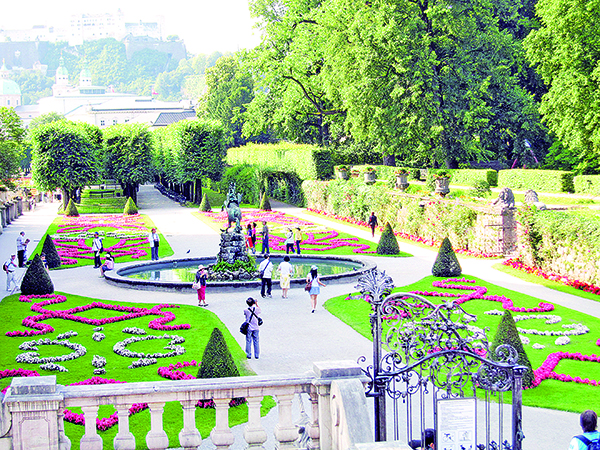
pixel 423 353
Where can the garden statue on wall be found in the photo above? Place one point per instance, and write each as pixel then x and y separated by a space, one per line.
pixel 505 200
pixel 531 198
pixel 232 206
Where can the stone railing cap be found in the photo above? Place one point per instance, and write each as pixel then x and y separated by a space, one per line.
pixel 337 369
pixel 33 385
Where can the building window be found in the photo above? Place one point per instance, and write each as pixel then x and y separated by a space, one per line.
pixel 114 121
pixel 7 102
pixel 126 120
pixel 102 123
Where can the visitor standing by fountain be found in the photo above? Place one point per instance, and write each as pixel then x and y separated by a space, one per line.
pixel 254 236
pixel 97 248
pixel 265 238
pixel 298 238
pixel 154 241
pixel 266 270
pixel 289 241
pixel 200 283
pixel 286 270
pixel 312 286
pixel 249 240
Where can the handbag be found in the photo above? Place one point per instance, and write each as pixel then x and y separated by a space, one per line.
pixel 196 285
pixel 308 286
pixel 244 328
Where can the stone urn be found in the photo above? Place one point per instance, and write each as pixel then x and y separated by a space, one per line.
pixel 402 181
pixel 343 174
pixel 370 177
pixel 442 186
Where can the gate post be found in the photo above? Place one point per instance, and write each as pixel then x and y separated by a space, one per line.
pixel 517 406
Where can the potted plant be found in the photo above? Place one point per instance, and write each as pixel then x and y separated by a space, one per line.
pixel 370 175
pixel 442 182
pixel 402 178
pixel 355 173
pixel 343 172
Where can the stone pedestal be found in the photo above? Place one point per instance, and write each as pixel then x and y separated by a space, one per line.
pixel 232 248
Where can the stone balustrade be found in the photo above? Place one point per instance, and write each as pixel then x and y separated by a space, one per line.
pixel 35 408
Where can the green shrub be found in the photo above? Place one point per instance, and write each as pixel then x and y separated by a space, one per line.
pixel 265 205
pixel 446 264
pixel 481 188
pixel 388 244
pixel 587 184
pixel 467 177
pixel 415 174
pixel 538 180
pixel 130 208
pixel 49 250
pixel 71 209
pixel 36 280
pixel 247 182
pixel 204 204
pixel 283 186
pixel 507 334
pixel 217 361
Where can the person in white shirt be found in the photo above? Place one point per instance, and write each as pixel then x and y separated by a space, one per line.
pixel 21 247
pixel 285 270
pixel 154 241
pixel 10 267
pixel 313 281
pixel 97 249
pixel 266 271
pixel 588 421
pixel 289 241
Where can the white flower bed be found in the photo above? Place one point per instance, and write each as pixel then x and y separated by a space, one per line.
pixel 67 335
pixel 563 340
pixel 134 330
pixel 538 346
pixel 33 357
pixel 98 361
pixel 524 340
pixel 176 350
pixel 142 362
pixel 54 367
pixel 99 329
pixel 101 371
pixel 98 337
pixel 549 318
pixel 494 312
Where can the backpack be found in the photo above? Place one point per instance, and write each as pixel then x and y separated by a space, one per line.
pixel 591 445
pixel 5 267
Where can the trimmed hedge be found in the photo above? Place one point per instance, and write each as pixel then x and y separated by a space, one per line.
pixel 71 209
pixel 130 208
pixel 587 184
pixel 446 264
pixel 49 251
pixel 265 205
pixel 388 244
pixel 217 361
pixel 538 180
pixel 306 161
pixel 468 177
pixel 205 204
pixel 36 280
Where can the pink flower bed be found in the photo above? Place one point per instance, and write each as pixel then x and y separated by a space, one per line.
pixel 71 250
pixel 546 370
pixel 315 241
pixel 516 263
pixel 409 237
pixel 70 314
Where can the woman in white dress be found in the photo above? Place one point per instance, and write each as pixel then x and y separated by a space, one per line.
pixel 285 270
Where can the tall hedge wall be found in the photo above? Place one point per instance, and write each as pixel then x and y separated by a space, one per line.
pixel 538 180
pixel 306 161
pixel 587 184
pixel 467 177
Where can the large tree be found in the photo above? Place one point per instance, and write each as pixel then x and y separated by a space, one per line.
pixel 128 156
pixel 12 134
pixel 63 157
pixel 566 49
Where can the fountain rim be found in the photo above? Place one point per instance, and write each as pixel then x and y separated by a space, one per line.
pixel 115 277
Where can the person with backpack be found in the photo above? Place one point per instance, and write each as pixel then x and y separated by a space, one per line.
pixel 266 272
pixel 590 439
pixel 9 267
pixel 251 315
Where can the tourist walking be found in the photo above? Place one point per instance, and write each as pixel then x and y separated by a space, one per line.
pixel 297 238
pixel 97 248
pixel 249 241
pixel 266 271
pixel 289 241
pixel 588 421
pixel 109 264
pixel 200 285
pixel 285 270
pixel 154 240
pixel 252 315
pixel 21 248
pixel 10 267
pixel 373 223
pixel 312 284
pixel 265 238
pixel 254 236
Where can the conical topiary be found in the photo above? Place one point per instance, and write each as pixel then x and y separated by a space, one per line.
pixel 217 361
pixel 264 203
pixel 130 208
pixel 36 280
pixel 71 210
pixel 49 250
pixel 446 264
pixel 205 205
pixel 507 334
pixel 388 244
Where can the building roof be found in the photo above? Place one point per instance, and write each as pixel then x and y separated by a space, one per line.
pixel 145 104
pixel 167 118
pixel 9 87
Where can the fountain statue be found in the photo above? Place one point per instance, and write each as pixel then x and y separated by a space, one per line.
pixel 233 244
pixel 232 206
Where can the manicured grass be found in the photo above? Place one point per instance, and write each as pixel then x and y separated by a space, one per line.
pixel 104 226
pixel 567 396
pixel 202 323
pixel 531 278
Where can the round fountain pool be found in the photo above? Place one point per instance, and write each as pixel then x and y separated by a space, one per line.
pixel 178 274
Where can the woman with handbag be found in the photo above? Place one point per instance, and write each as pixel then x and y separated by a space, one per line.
pixel 312 286
pixel 254 321
pixel 200 285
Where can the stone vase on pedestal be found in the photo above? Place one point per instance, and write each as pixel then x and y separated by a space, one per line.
pixel 370 177
pixel 343 174
pixel 402 182
pixel 442 186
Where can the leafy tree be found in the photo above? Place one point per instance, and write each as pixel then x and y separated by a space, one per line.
pixel 34 85
pixel 12 135
pixel 44 119
pixel 106 59
pixel 63 157
pixel 566 51
pixel 128 156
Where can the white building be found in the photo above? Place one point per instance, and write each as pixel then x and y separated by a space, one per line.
pixel 10 92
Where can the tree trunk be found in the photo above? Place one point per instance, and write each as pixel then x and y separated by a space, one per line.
pixel 389 160
pixel 451 163
pixel 198 191
pixel 66 197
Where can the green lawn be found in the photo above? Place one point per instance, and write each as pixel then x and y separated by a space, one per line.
pixel 567 396
pixel 202 322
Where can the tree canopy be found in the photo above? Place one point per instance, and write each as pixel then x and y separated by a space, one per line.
pixel 12 134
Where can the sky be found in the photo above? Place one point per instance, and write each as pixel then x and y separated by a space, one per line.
pixel 204 25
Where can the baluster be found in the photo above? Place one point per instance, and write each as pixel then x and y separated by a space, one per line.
pixel 64 443
pixel 285 431
pixel 90 440
pixel 156 439
pixel 124 440
pixel 254 434
pixel 313 428
pixel 221 435
pixel 189 437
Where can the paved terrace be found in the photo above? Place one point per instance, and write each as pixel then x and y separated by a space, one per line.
pixel 292 338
